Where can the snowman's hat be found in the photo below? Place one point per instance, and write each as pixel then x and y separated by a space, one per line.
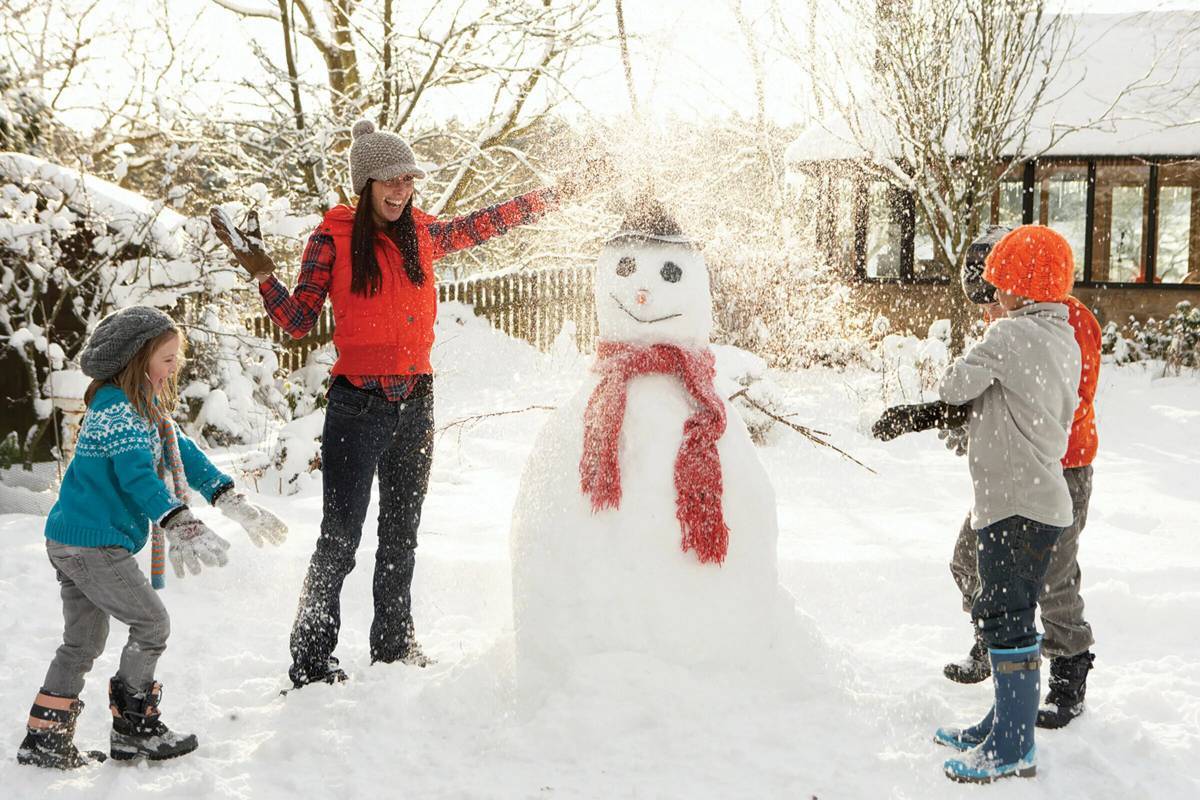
pixel 647 220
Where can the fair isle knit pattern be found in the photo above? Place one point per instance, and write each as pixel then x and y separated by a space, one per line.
pixel 115 430
pixel 112 490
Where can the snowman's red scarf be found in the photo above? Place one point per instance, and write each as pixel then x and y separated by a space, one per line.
pixel 698 484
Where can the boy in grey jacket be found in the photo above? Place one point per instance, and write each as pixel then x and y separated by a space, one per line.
pixel 1021 381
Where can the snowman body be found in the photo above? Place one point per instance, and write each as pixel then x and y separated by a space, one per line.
pixel 618 579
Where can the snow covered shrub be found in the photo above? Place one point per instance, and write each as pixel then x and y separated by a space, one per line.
pixel 229 391
pixel 1175 341
pixel 791 310
pixel 909 366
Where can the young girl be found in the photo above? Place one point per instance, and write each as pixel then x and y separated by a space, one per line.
pixel 374 261
pixel 132 468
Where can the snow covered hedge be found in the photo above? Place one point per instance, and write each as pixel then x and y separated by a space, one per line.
pixel 1175 340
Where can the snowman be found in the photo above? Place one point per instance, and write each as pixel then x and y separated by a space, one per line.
pixel 645 522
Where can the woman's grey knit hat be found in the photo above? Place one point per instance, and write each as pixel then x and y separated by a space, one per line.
pixel 118 337
pixel 379 156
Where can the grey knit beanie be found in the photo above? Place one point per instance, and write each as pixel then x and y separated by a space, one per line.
pixel 379 156
pixel 118 337
pixel 976 289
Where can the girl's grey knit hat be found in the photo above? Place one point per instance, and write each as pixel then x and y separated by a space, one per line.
pixel 118 337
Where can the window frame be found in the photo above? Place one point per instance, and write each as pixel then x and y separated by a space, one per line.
pixel 1028 171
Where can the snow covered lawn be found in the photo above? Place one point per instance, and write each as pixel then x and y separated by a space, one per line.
pixel 865 555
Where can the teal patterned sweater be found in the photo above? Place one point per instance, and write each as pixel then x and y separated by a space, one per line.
pixel 112 490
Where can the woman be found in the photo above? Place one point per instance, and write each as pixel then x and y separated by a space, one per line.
pixel 374 262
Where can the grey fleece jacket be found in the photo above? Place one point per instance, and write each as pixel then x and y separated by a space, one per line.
pixel 1022 381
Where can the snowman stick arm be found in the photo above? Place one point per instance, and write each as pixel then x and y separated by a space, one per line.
pixel 806 432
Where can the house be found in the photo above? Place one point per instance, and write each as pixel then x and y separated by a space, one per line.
pixel 1123 185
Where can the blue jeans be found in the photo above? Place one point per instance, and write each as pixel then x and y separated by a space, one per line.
pixel 365 434
pixel 1014 555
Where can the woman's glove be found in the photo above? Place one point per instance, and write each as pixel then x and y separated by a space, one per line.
pixel 193 543
pixel 245 244
pixel 261 525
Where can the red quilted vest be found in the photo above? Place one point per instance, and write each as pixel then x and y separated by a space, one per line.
pixel 390 333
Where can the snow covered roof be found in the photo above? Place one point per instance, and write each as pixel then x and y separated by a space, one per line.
pixel 126 213
pixel 1140 73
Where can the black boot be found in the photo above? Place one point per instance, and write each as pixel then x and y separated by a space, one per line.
pixel 975 668
pixel 50 735
pixel 137 729
pixel 1068 685
pixel 329 672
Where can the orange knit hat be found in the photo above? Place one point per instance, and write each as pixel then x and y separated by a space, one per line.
pixel 1032 261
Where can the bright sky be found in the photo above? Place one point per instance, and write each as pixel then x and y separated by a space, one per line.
pixel 689 57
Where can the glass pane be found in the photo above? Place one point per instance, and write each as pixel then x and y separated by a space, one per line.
pixel 1178 255
pixel 1009 211
pixel 1004 206
pixel 1122 212
pixel 844 197
pixel 1060 202
pixel 883 231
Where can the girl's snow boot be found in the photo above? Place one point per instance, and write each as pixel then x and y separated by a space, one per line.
pixel 1068 685
pixel 50 734
pixel 1008 749
pixel 137 729
pixel 975 668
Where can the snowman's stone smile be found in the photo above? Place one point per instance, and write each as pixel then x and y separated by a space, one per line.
pixel 636 318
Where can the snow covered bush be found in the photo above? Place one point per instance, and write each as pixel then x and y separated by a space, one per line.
pixel 910 366
pixel 1175 341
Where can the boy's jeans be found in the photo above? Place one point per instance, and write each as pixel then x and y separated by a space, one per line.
pixel 365 433
pixel 98 583
pixel 1067 632
pixel 1013 556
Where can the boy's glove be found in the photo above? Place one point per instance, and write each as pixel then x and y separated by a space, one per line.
pixel 955 439
pixel 193 543
pixel 245 244
pixel 261 525
pixel 899 420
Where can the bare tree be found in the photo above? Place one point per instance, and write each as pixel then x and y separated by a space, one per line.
pixel 939 95
pixel 501 53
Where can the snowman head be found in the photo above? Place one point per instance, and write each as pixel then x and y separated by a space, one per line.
pixel 652 283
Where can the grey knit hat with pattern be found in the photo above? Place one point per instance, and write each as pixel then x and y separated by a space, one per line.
pixel 379 156
pixel 976 289
pixel 118 337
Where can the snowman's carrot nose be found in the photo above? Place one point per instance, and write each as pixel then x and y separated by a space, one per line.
pixel 642 297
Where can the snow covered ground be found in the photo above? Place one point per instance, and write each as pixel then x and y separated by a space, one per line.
pixel 865 555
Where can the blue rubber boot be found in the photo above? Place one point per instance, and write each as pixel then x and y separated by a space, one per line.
pixel 1008 750
pixel 966 738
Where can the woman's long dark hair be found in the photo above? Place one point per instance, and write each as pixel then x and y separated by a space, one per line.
pixel 366 278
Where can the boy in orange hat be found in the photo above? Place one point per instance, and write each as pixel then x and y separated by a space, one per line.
pixel 1021 382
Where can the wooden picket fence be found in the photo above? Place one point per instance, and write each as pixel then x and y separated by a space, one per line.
pixel 531 305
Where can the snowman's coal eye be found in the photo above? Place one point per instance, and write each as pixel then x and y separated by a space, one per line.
pixel 626 266
pixel 671 273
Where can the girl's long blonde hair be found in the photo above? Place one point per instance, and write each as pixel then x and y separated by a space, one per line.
pixel 133 381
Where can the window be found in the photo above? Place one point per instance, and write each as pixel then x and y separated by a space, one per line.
pixel 1060 202
pixel 1177 258
pixel 1005 206
pixel 1121 218
pixel 885 217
